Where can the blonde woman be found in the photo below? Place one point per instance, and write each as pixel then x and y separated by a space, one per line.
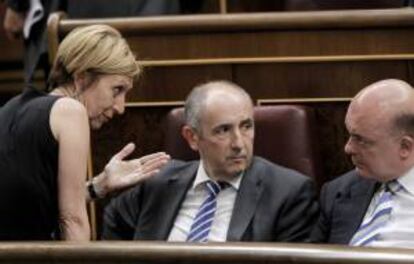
pixel 44 140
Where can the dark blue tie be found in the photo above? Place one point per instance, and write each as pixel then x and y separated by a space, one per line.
pixel 204 218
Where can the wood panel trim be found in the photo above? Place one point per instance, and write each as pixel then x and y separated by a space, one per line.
pixel 223 6
pixel 303 100
pixel 154 104
pixel 284 59
pixel 53 24
pixel 169 252
pixel 257 102
pixel 91 205
pixel 398 17
pixel 10 75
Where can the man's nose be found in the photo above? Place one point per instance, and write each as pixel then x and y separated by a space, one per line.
pixel 237 139
pixel 349 147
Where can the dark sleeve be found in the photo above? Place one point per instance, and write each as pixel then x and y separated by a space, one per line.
pixel 18 5
pixel 121 215
pixel 320 232
pixel 190 7
pixel 298 214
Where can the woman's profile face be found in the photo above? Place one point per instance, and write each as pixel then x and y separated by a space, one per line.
pixel 105 97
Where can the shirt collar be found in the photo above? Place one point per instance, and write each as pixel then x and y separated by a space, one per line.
pixel 202 177
pixel 407 180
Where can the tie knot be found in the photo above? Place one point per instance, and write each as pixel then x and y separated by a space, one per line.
pixel 393 186
pixel 214 187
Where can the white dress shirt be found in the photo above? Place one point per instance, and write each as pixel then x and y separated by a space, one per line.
pixel 399 231
pixel 192 202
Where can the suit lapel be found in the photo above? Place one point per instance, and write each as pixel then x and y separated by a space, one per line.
pixel 245 206
pixel 168 201
pixel 351 209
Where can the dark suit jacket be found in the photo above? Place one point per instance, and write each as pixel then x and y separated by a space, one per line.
pixel 35 48
pixel 343 203
pixel 272 204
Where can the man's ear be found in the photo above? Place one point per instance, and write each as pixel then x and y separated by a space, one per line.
pixel 406 146
pixel 190 136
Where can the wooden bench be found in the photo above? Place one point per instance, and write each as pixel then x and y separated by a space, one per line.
pixel 164 252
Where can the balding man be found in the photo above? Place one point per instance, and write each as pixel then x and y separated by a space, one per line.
pixel 373 205
pixel 229 195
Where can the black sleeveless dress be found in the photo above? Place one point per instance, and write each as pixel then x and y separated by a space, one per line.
pixel 28 168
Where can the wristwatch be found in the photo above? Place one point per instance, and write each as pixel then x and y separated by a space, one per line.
pixel 91 190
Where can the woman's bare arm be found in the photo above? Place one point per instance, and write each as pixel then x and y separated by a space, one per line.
pixel 69 124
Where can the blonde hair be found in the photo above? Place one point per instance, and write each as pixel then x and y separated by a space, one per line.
pixel 97 49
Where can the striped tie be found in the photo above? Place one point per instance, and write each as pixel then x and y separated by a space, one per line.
pixel 204 218
pixel 370 229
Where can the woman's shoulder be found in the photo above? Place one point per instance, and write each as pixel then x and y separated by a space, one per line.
pixel 68 114
pixel 67 105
